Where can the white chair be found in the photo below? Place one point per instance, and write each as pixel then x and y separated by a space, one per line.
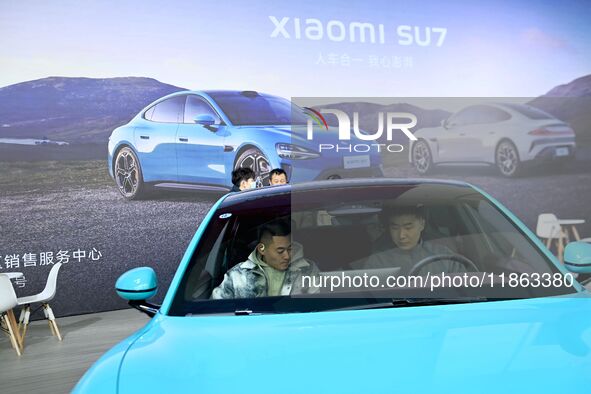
pixel 549 228
pixel 7 302
pixel 44 297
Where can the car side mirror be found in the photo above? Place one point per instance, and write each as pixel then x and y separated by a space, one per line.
pixel 136 286
pixel 204 119
pixel 577 257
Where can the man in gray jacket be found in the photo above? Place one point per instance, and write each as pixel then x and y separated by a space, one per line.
pixel 274 267
pixel 405 227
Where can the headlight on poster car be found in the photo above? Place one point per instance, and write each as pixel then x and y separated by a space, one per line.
pixel 290 151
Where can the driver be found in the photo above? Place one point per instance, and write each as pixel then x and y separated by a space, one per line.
pixel 274 267
pixel 405 225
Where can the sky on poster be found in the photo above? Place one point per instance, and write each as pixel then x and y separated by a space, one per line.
pixel 490 48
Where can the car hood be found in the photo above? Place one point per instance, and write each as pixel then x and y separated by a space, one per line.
pixel 537 345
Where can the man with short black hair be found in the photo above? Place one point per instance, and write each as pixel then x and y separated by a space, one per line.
pixel 274 267
pixel 243 178
pixel 405 226
pixel 277 176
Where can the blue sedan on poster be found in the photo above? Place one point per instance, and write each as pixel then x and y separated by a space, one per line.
pixel 193 140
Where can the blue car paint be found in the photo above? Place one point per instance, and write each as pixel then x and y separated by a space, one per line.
pixel 206 160
pixel 577 256
pixel 201 159
pixel 105 372
pixel 119 138
pixel 156 145
pixel 540 345
pixel 137 284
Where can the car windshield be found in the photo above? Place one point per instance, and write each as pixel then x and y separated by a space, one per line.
pixel 435 242
pixel 254 109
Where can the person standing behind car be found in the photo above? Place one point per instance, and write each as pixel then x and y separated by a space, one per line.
pixel 277 176
pixel 243 179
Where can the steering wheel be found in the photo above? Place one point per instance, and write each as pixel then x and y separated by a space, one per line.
pixel 466 262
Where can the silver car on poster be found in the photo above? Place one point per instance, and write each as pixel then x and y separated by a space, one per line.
pixel 505 135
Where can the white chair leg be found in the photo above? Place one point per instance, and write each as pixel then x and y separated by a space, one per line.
pixel 21 315
pixel 565 235
pixel 25 322
pixel 576 233
pixel 44 307
pixel 52 323
pixel 560 251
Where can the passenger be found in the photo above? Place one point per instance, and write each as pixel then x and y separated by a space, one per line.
pixel 277 176
pixel 274 267
pixel 243 179
pixel 405 226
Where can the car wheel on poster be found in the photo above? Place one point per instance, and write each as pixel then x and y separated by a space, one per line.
pixel 128 174
pixel 507 159
pixel 256 160
pixel 422 158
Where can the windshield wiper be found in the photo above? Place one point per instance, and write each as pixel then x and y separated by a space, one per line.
pixel 438 301
pixel 408 302
pixel 249 312
pixel 379 304
pixel 243 312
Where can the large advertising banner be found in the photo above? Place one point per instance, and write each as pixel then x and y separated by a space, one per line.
pixel 121 122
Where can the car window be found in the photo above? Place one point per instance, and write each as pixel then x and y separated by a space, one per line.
pixel 194 106
pixel 530 112
pixel 149 113
pixel 479 114
pixel 500 237
pixel 169 111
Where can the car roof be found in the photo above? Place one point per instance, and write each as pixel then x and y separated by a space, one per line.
pixel 213 92
pixel 220 93
pixel 238 198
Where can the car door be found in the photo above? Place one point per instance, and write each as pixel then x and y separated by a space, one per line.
pixel 200 148
pixel 461 140
pixel 155 140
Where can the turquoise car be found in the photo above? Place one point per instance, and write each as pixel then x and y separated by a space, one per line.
pixel 504 314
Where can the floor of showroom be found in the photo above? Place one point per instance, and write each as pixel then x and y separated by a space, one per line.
pixel 50 366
